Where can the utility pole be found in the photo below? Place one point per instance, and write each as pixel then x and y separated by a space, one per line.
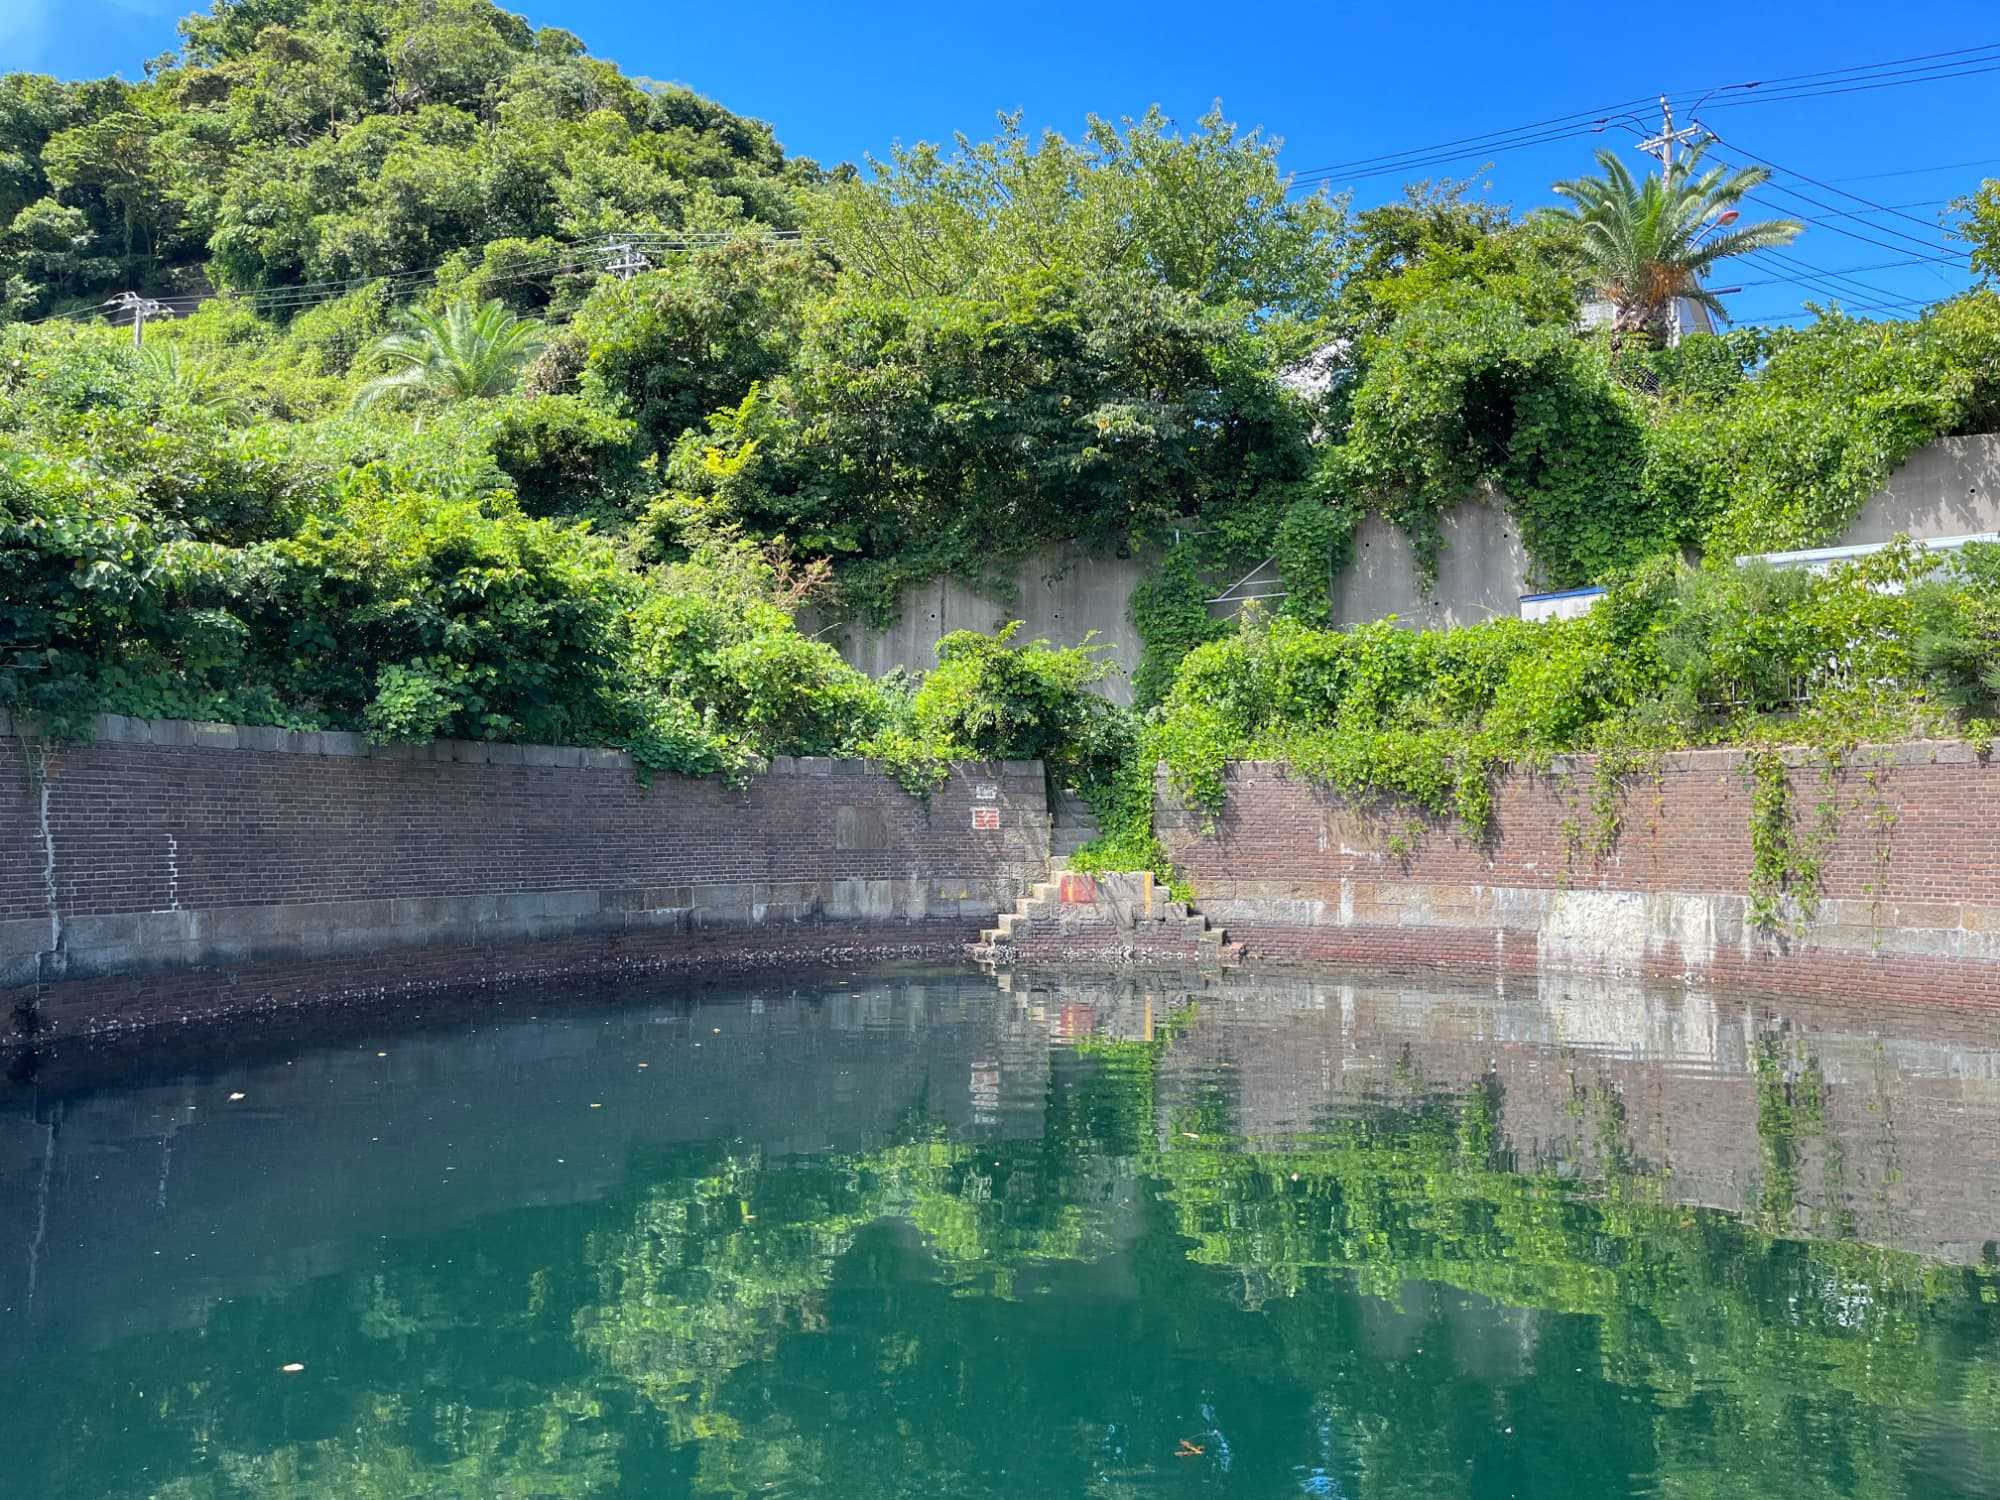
pixel 141 309
pixel 1662 145
pixel 625 260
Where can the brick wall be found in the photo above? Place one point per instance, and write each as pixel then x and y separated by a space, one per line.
pixel 1909 899
pixel 170 869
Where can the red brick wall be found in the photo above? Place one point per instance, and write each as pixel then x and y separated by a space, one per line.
pixel 1909 894
pixel 206 852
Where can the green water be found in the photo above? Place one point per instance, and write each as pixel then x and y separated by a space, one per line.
pixel 915 1234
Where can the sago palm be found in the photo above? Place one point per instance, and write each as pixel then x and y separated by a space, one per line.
pixel 458 354
pixel 1650 243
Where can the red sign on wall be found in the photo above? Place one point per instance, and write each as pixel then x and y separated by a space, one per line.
pixel 1076 890
pixel 985 817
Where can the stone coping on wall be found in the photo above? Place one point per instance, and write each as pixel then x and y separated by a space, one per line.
pixel 122 729
pixel 1901 753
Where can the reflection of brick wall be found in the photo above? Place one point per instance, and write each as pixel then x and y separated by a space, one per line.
pixel 1910 892
pixel 175 863
pixel 1902 1149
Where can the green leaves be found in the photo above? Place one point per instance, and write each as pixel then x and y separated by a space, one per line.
pixel 1205 214
pixel 990 699
pixel 1671 657
pixel 464 353
pixel 1463 392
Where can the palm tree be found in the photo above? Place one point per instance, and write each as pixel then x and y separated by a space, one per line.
pixel 175 375
pixel 1650 243
pixel 459 354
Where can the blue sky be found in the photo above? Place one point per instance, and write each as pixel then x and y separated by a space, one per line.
pixel 1338 82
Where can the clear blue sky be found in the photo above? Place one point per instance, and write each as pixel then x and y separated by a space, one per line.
pixel 1338 82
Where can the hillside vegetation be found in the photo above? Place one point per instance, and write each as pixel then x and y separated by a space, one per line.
pixel 510 396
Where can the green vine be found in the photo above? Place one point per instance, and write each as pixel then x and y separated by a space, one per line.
pixel 1787 862
pixel 1314 542
pixel 1882 819
pixel 1423 722
pixel 1169 611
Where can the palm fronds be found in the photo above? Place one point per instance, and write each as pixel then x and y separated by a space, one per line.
pixel 462 353
pixel 1650 241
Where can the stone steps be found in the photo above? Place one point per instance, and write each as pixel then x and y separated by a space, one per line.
pixel 1121 918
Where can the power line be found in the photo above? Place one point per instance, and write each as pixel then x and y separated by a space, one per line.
pixel 1893 62
pixel 1933 250
pixel 1880 265
pixel 1947 166
pixel 1807 312
pixel 1816 182
pixel 1858 88
pixel 1829 282
pixel 577 257
pixel 1579 117
pixel 1956 63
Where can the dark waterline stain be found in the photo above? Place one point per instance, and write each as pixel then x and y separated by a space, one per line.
pixel 920 1232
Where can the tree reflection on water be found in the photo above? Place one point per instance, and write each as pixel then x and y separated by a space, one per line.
pixel 1341 1237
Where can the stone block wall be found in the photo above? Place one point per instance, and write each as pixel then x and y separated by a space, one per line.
pixel 168 870
pixel 1908 902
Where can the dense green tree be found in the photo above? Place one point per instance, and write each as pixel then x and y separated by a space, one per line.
pixel 916 436
pixel 1205 213
pixel 309 140
pixel 33 107
pixel 1980 228
pixel 673 346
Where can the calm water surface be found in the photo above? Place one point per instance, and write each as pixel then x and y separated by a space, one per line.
pixel 908 1233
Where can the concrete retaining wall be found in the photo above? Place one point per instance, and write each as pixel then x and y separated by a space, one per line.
pixel 1060 595
pixel 169 870
pixel 1483 569
pixel 1909 903
pixel 1948 488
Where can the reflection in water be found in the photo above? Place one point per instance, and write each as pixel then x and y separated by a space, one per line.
pixel 920 1234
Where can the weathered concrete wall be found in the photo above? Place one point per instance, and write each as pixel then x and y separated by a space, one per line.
pixel 1948 488
pixel 1483 570
pixel 1061 596
pixel 172 869
pixel 1909 898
